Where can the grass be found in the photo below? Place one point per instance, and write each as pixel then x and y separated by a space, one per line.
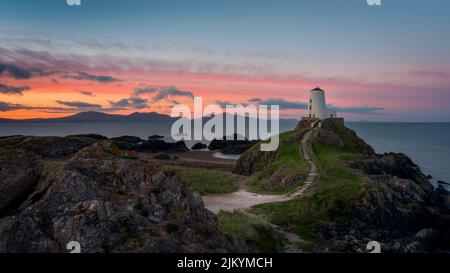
pixel 205 181
pixel 288 160
pixel 330 197
pixel 7 141
pixel 256 185
pixel 254 231
pixel 171 227
pixel 50 167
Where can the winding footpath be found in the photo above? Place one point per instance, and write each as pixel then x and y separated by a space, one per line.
pixel 243 199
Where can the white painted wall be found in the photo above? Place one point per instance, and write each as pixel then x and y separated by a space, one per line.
pixel 317 107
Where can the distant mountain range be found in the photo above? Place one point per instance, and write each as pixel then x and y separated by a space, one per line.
pixel 92 116
pixel 99 117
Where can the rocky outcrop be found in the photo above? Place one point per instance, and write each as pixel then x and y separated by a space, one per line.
pixel 398 213
pixel 393 164
pixel 231 146
pixel 253 161
pixel 94 136
pixel 109 201
pixel 350 139
pixel 20 171
pixel 130 139
pixel 158 145
pixel 155 137
pixel 327 137
pixel 50 147
pixel 129 143
pixel 199 146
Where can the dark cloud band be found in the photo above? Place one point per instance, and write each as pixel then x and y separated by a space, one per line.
pixel 13 90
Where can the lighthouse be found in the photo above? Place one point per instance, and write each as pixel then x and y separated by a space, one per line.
pixel 317 107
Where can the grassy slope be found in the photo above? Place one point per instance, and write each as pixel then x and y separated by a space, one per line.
pixel 206 181
pixel 329 198
pixel 288 158
pixel 254 231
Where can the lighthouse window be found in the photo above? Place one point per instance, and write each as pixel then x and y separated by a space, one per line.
pixel 310 107
pixel 310 100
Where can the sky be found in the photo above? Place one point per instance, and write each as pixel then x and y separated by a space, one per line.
pixel 376 63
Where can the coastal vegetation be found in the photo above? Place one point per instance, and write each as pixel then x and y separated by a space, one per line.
pixel 207 181
pixel 277 172
pixel 253 230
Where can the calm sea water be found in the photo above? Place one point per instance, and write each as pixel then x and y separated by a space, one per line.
pixel 428 144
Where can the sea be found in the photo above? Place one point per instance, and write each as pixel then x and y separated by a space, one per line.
pixel 428 144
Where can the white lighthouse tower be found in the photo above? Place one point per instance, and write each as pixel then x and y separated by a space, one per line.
pixel 317 107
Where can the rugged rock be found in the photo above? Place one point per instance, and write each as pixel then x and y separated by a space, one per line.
pixel 155 137
pixel 328 137
pixel 110 203
pixel 231 146
pixel 19 172
pixel 158 145
pixel 129 143
pixel 129 139
pixel 94 136
pixel 402 214
pixel 393 164
pixel 199 146
pixel 253 161
pixel 349 137
pixel 50 147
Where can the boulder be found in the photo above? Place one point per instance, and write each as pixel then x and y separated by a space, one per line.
pixel 129 143
pixel 234 145
pixel 199 146
pixel 158 145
